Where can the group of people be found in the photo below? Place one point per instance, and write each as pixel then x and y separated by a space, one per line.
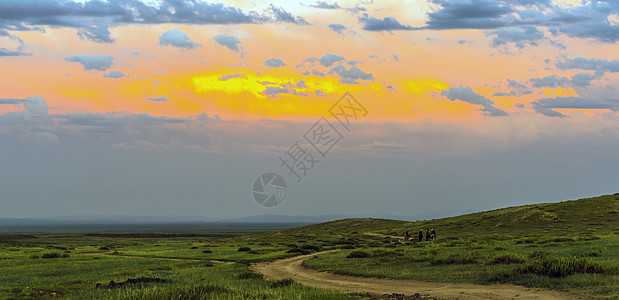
pixel 430 235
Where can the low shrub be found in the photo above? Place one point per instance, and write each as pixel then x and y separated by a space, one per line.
pixel 311 247
pixel 562 266
pixel 539 254
pixel 250 275
pixel 385 253
pixel 52 255
pixel 207 251
pixel 591 254
pixel 241 249
pixel 507 258
pixel 282 283
pixel 299 250
pixel 345 241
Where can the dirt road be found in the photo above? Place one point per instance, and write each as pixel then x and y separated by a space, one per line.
pixel 292 268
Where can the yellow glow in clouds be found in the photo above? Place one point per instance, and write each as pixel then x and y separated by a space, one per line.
pixel 258 84
pixel 274 96
pixel 426 85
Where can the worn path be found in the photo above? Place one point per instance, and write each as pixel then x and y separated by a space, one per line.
pixel 293 268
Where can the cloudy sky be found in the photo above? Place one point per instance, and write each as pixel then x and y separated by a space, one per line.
pixel 175 107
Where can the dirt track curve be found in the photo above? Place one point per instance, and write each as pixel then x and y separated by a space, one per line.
pixel 293 268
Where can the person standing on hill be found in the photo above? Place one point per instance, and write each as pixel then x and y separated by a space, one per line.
pixel 420 235
pixel 433 234
pixel 427 235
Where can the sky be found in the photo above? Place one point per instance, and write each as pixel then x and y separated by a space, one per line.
pixel 177 107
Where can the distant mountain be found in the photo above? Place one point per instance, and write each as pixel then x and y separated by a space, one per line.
pixel 175 219
pixel 129 219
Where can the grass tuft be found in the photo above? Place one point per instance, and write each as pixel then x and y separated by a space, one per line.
pixel 358 254
pixel 507 258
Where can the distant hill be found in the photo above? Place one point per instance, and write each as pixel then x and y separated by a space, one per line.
pixel 598 214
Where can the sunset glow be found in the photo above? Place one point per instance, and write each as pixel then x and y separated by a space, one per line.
pixel 449 86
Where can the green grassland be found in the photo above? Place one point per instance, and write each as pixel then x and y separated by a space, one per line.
pixel 208 267
pixel 571 246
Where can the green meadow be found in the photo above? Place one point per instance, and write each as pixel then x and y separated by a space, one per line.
pixel 571 246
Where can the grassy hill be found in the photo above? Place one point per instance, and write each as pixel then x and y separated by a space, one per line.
pixel 597 214
pixel 568 246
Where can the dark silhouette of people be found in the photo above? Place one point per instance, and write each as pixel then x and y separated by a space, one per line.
pixel 420 235
pixel 433 234
pixel 427 235
pixel 407 236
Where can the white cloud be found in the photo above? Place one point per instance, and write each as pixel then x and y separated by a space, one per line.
pixel 93 62
pixel 177 38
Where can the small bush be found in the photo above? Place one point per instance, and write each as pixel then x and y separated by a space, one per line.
pixel 507 258
pixel 282 283
pixel 358 254
pixel 539 254
pixel 383 253
pixel 562 266
pixel 194 247
pixel 526 241
pixel 562 239
pixel 591 254
pixel 250 275
pixel 299 250
pixel 104 248
pixel 311 247
pixel 241 249
pixel 51 255
pixel 344 241
pixel 34 256
pixel 348 247
pixel 207 251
